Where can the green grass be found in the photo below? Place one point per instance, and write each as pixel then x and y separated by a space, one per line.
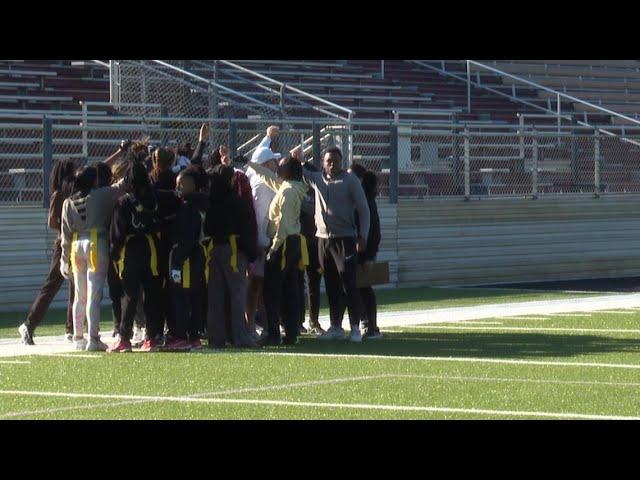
pixel 473 366
pixel 402 299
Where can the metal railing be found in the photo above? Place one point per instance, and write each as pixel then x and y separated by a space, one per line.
pixel 412 160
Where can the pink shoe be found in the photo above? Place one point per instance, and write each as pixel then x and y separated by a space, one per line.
pixel 150 346
pixel 196 344
pixel 121 346
pixel 177 345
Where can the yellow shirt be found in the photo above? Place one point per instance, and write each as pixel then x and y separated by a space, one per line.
pixel 284 210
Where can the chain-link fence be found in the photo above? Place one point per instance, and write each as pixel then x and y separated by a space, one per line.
pixel 411 161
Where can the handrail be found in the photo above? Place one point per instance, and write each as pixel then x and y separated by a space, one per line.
pixel 101 63
pixel 288 87
pixel 555 92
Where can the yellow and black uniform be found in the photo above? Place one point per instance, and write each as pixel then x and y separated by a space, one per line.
pixel 134 249
pixel 287 257
pixel 189 254
pixel 233 244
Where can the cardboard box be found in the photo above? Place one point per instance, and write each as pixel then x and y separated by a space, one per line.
pixel 378 274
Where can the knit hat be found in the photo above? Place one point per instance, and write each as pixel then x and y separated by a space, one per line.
pixel 263 155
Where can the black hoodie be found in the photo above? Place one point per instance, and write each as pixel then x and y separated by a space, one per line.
pixel 187 229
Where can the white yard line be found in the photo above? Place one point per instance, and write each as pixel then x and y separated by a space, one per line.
pixel 351 406
pixel 198 395
pixel 469 326
pixel 620 312
pixel 574 314
pixel 15 362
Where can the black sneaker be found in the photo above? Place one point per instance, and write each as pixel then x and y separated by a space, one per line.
pixel 373 334
pixel 25 335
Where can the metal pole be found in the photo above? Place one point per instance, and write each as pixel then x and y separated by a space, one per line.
pixel 163 126
pixel 382 69
pixel 558 113
pixel 85 143
pixel 596 165
pixel 467 166
pixel 316 146
pixel 111 82
pixel 233 138
pixel 350 139
pixel 534 171
pixel 47 159
pixel 282 94
pixel 393 164
pixel 468 87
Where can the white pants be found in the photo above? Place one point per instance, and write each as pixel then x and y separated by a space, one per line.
pixel 88 286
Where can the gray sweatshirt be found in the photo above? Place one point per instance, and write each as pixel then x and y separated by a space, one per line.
pixel 83 214
pixel 336 201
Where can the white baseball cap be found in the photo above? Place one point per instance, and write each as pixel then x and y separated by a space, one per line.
pixel 263 155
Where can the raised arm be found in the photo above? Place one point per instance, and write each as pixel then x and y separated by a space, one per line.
pixel 196 158
pixel 122 149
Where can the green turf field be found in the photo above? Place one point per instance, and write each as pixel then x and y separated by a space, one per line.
pixel 401 299
pixel 567 366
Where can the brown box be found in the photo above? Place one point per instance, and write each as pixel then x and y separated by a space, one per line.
pixel 378 274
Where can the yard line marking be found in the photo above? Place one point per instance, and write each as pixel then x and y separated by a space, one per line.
pixel 528 329
pixel 519 380
pixel 353 406
pixel 567 314
pixel 15 362
pixel 622 312
pixel 507 361
pixel 472 322
pixel 199 395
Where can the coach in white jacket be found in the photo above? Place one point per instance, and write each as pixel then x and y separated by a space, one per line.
pixel 262 196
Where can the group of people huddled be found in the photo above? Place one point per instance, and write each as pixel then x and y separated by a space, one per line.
pixel 194 248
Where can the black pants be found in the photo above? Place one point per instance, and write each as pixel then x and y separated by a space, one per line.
pixel 369 308
pixel 167 308
pixel 138 278
pixel 338 259
pixel 279 283
pixel 115 294
pixel 189 301
pixel 47 293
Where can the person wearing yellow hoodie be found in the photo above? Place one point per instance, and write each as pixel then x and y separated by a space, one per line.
pixel 288 254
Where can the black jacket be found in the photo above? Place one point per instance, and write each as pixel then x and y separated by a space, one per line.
pixel 130 217
pixel 229 215
pixel 187 229
pixel 373 240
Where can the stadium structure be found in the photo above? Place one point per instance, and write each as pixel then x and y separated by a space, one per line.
pixel 490 172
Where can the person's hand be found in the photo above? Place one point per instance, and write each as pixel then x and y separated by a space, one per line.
pixel 361 245
pixel 273 131
pixel 204 133
pixel 124 145
pixel 297 154
pixel 223 150
pixel 64 270
pixel 176 276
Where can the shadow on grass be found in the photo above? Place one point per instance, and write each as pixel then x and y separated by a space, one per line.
pixel 493 345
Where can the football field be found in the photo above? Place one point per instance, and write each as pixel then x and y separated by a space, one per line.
pixel 578 364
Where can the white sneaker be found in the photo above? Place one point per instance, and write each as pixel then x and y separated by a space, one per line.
pixel 80 344
pixel 334 333
pixel 25 336
pixel 356 335
pixel 96 345
pixel 138 335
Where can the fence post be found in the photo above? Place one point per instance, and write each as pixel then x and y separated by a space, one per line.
pixel 282 95
pixel 467 166
pixel 85 134
pixel 393 163
pixel 233 138
pixel 534 171
pixel 596 162
pixel 47 158
pixel 521 140
pixel 468 87
pixel 316 146
pixel 350 139
pixel 164 139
